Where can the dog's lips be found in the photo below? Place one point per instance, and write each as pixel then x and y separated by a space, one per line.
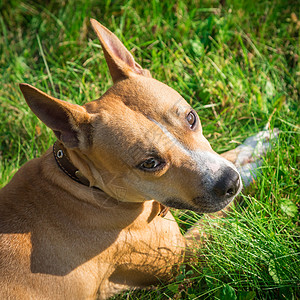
pixel 200 207
pixel 210 206
pixel 201 204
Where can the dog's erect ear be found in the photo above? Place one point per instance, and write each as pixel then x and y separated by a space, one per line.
pixel 62 117
pixel 120 61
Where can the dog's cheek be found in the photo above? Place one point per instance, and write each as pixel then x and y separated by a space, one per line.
pixel 149 190
pixel 137 187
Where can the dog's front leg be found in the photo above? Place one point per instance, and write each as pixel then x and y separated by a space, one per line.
pixel 151 250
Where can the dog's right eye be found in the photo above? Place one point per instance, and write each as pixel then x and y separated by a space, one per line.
pixel 151 164
pixel 191 119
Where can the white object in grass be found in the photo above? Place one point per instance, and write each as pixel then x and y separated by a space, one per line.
pixel 250 154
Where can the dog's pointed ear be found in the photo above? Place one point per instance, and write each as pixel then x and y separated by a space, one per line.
pixel 62 117
pixel 120 62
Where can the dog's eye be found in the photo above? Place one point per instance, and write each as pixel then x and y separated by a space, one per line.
pixel 150 164
pixel 191 119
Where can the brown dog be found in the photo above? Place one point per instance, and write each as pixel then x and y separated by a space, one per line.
pixel 82 217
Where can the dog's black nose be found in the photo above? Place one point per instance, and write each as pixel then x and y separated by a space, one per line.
pixel 228 184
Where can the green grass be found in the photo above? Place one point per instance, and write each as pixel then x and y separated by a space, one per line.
pixel 237 65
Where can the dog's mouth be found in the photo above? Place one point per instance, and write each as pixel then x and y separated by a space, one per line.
pixel 204 204
pixel 214 199
pixel 200 206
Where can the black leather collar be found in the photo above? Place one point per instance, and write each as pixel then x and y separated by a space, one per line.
pixel 65 164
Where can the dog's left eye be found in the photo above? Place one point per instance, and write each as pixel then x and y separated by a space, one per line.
pixel 150 164
pixel 191 119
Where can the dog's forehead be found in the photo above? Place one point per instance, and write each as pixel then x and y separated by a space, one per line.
pixel 146 95
pixel 150 93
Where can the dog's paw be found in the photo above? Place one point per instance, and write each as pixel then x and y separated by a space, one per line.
pixel 250 153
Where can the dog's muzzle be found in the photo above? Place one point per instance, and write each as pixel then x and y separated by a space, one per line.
pixel 214 195
pixel 220 193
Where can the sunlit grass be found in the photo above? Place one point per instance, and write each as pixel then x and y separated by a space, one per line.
pixel 237 65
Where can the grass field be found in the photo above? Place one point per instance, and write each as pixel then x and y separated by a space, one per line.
pixel 237 64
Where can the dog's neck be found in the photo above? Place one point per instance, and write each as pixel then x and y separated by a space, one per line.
pixel 80 195
pixel 64 163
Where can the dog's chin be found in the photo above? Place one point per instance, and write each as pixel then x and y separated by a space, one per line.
pixel 198 206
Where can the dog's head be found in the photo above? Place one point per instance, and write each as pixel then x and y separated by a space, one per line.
pixel 141 140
